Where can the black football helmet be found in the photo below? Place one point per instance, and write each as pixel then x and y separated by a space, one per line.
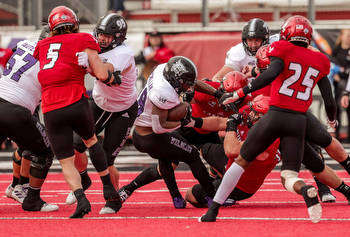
pixel 255 28
pixel 112 24
pixel 181 73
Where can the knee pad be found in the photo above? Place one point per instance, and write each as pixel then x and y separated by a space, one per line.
pixel 79 145
pixel 290 178
pixel 40 165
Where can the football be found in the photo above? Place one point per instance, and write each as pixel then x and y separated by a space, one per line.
pixel 178 112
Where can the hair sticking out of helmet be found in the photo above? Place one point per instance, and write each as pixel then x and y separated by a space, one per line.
pixel 181 73
pixel 297 29
pixel 255 28
pixel 262 60
pixel 62 16
pixel 45 32
pixel 234 80
pixel 114 25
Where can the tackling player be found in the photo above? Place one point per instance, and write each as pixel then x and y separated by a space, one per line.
pixel 293 72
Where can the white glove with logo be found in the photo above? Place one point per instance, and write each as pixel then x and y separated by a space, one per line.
pixel 83 59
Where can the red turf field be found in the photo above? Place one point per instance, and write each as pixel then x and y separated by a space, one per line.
pixel 149 212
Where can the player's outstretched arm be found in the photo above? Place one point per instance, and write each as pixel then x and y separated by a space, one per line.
pixel 98 68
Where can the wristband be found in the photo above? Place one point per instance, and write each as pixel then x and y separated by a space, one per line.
pixel 198 122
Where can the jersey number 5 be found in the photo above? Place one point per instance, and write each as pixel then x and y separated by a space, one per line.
pixel 307 81
pixel 52 54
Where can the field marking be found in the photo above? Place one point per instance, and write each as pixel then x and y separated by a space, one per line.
pixel 174 218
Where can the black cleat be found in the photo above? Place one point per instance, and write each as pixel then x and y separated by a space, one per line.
pixel 124 193
pixel 82 209
pixel 211 214
pixel 38 205
pixel 109 193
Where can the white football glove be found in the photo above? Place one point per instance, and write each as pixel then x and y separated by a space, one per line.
pixel 83 59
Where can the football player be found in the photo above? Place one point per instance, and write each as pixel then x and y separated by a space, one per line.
pixel 293 72
pixel 152 133
pixel 64 101
pixel 19 96
pixel 114 107
pixel 254 35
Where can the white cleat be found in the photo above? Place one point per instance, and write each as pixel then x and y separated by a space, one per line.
pixel 328 197
pixel 106 210
pixel 71 199
pixel 315 213
pixel 47 207
pixel 9 191
pixel 314 207
pixel 20 192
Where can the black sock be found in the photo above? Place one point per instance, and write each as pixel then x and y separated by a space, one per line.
pixel 33 193
pixel 147 176
pixel 344 189
pixel 168 175
pixel 23 180
pixel 98 157
pixel 346 164
pixel 322 188
pixel 79 194
pixel 85 180
pixel 15 181
pixel 106 180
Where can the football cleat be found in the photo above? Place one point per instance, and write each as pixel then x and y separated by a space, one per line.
pixel 111 207
pixel 179 202
pixel 327 197
pixel 211 214
pixel 82 209
pixel 313 205
pixel 124 193
pixel 38 205
pixel 20 192
pixel 9 191
pixel 71 199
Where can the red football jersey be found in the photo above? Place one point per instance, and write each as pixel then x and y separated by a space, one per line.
pixel 303 68
pixel 207 105
pixel 254 176
pixel 5 55
pixel 60 76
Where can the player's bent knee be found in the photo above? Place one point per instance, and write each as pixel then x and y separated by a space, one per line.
pixel 189 197
pixel 40 165
pixel 289 178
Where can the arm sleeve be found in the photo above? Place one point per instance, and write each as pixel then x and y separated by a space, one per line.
pixel 265 78
pixel 329 102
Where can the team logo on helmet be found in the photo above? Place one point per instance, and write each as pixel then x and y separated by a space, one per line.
pixel 178 68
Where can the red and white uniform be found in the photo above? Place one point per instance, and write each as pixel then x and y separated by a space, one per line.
pixel 292 89
pixel 60 76
pixel 254 176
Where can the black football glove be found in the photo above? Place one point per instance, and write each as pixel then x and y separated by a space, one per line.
pixel 187 119
pixel 233 121
pixel 218 93
pixel 117 78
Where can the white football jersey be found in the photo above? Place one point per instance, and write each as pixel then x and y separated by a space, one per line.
pixel 117 98
pixel 19 83
pixel 158 92
pixel 237 58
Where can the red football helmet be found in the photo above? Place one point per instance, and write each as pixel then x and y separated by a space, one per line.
pixel 297 28
pixel 234 80
pixel 262 60
pixel 61 16
pixel 260 104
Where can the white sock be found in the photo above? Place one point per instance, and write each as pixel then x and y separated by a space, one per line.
pixel 228 183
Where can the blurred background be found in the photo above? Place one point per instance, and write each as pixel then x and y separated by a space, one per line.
pixel 203 30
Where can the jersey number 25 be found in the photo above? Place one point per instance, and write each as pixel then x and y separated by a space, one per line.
pixel 307 81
